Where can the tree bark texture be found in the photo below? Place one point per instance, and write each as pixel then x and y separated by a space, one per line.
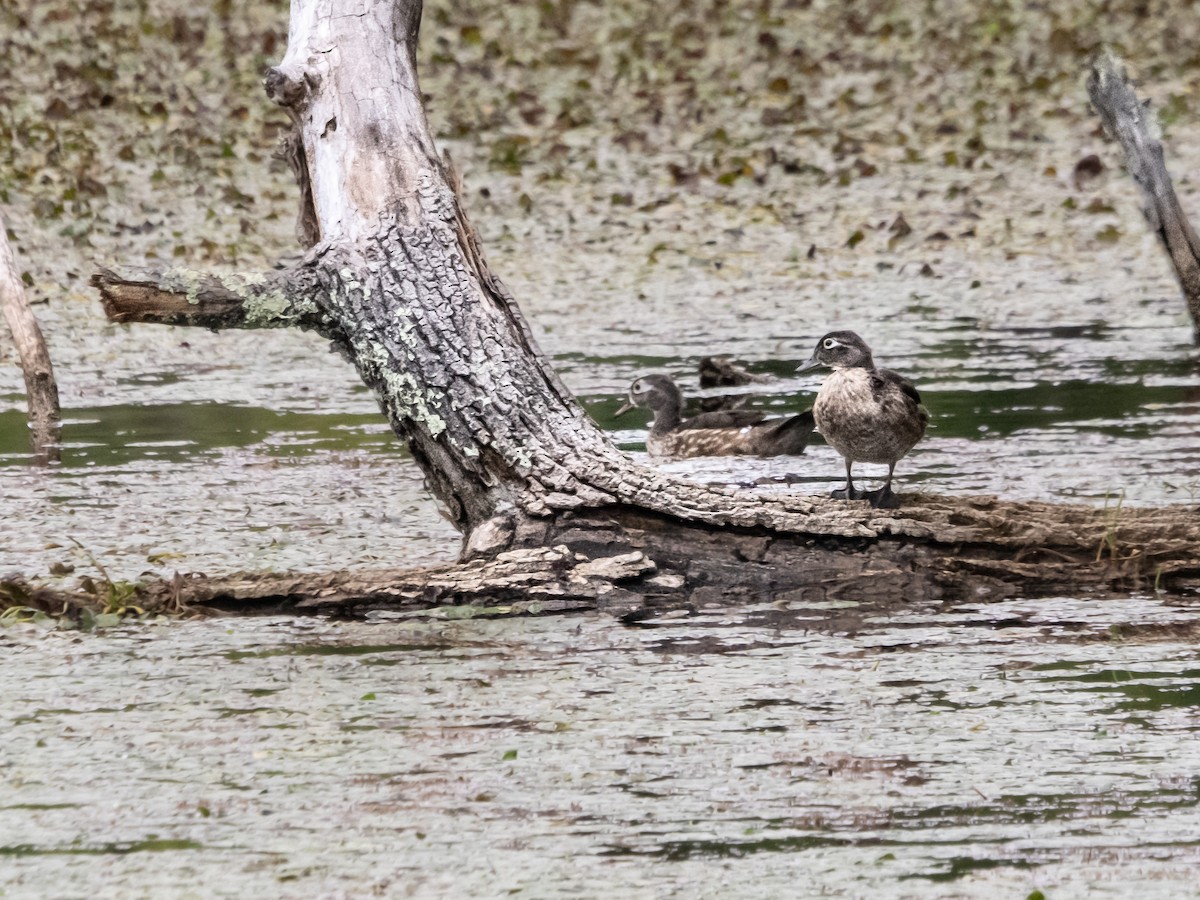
pixel 396 279
pixel 1130 123
pixel 40 387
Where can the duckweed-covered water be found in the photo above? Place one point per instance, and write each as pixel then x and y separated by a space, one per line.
pixel 764 752
pixel 923 191
pixel 656 182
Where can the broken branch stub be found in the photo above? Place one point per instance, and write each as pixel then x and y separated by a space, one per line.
pixel 185 297
pixel 1129 122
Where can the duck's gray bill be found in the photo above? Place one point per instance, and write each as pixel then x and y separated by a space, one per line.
pixel 813 363
pixel 625 407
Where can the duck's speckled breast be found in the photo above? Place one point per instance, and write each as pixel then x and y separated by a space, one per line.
pixel 865 421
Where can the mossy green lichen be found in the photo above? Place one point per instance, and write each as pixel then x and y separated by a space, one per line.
pixel 272 308
pixel 189 282
pixel 403 392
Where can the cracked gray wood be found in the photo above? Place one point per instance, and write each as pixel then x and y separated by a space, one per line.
pixel 1131 124
pixel 940 550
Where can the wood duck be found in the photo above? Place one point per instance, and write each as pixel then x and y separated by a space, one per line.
pixel 732 432
pixel 866 414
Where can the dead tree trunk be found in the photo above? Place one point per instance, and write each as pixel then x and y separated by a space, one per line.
pixel 40 388
pixel 396 278
pixel 1130 123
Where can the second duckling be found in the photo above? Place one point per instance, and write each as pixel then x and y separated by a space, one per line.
pixel 732 432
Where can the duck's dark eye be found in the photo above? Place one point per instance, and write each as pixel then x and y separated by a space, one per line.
pixel 638 387
pixel 830 343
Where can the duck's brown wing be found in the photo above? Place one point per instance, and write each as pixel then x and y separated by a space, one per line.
pixel 883 379
pixel 723 418
pixel 886 381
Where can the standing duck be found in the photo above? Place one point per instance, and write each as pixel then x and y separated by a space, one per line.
pixel 731 432
pixel 866 414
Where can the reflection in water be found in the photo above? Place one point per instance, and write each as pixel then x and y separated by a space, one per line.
pixel 997 748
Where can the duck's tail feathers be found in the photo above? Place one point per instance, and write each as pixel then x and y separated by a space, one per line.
pixel 790 435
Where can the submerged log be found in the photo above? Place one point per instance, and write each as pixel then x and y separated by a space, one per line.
pixel 41 389
pixel 547 506
pixel 1130 123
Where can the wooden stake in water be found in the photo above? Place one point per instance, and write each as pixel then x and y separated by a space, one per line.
pixel 44 419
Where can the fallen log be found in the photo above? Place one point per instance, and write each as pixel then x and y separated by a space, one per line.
pixel 395 278
pixel 936 550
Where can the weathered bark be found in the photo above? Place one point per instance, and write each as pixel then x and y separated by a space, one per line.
pixel 1130 123
pixel 183 297
pixel 41 390
pixel 398 281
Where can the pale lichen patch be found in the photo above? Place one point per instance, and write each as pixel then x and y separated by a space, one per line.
pixel 407 395
pixel 269 308
pixel 189 282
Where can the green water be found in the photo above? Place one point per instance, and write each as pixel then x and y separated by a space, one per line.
pixel 1117 404
pixel 118 436
pixel 122 436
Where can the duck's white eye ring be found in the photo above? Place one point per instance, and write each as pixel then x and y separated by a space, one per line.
pixel 830 343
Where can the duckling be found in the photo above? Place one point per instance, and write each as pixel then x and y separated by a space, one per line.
pixel 722 371
pixel 866 414
pixel 732 432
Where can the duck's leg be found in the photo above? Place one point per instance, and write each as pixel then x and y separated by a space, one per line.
pixel 884 498
pixel 848 492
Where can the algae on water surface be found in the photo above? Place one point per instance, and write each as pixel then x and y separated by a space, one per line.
pixel 982 750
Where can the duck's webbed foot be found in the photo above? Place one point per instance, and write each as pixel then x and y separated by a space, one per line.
pixel 848 493
pixel 884 498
